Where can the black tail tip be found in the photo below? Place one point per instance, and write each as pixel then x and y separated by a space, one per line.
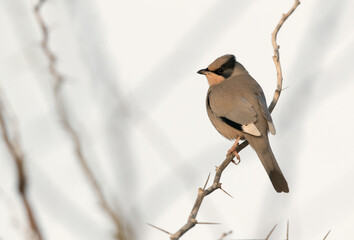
pixel 278 181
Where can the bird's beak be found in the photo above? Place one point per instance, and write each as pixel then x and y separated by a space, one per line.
pixel 203 71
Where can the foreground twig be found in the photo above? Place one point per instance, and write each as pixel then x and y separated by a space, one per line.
pixel 14 147
pixel 224 235
pixel 191 222
pixel 327 235
pixel 58 78
pixel 287 230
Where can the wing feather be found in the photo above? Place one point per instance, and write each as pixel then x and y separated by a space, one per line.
pixel 234 108
pixel 266 113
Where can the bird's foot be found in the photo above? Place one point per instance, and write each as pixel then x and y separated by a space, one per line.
pixel 238 158
pixel 232 150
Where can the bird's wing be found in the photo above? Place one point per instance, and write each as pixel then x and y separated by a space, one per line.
pixel 265 112
pixel 234 110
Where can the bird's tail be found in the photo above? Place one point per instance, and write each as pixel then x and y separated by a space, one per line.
pixel 265 154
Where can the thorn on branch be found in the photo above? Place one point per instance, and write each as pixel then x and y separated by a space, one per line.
pixel 206 182
pixel 271 231
pixel 284 89
pixel 210 223
pixel 162 230
pixel 226 192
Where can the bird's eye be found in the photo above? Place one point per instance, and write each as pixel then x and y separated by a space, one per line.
pixel 219 70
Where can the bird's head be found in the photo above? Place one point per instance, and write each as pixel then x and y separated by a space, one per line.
pixel 220 69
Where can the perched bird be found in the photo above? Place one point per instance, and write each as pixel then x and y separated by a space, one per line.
pixel 237 108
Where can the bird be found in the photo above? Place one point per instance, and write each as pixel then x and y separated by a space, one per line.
pixel 237 107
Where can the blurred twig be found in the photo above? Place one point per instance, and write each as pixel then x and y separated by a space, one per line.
pixel 15 149
pixel 224 235
pixel 326 235
pixel 58 78
pixel 287 230
pixel 191 222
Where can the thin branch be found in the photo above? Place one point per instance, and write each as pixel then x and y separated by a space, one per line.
pixel 276 57
pixel 191 221
pixel 326 235
pixel 61 109
pixel 287 230
pixel 271 231
pixel 15 149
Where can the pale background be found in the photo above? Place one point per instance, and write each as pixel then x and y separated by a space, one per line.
pixel 134 97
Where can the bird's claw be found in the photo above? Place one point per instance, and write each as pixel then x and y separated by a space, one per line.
pixel 238 158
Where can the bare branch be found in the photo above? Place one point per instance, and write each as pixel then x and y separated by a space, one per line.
pixel 271 231
pixel 276 57
pixel 15 149
pixel 61 109
pixel 191 222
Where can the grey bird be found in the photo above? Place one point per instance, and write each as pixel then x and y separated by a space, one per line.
pixel 237 108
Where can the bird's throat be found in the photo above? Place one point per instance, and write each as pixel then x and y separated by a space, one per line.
pixel 214 79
